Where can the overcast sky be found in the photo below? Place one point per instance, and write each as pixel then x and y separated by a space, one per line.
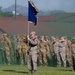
pixel 66 5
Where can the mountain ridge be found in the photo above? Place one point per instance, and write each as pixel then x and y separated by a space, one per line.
pixel 24 10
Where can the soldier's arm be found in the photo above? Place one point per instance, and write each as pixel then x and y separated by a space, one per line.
pixel 69 45
pixel 50 45
pixel 46 46
pixel 38 46
pixel 9 42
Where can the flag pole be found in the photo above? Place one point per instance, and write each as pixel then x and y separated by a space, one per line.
pixel 28 29
pixel 15 7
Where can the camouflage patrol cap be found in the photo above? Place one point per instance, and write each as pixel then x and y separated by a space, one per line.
pixel 56 37
pixel 18 35
pixel 46 36
pixel 41 36
pixel 4 34
pixel 53 38
pixel 65 36
pixel 33 32
pixel 74 38
pixel 23 34
pixel 62 39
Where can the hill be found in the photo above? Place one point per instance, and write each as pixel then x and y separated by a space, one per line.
pixel 20 9
pixel 45 13
pixel 24 10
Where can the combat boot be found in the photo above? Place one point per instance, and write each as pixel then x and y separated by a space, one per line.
pixel 30 72
pixel 35 71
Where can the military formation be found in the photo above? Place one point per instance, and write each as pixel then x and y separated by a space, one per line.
pixel 59 51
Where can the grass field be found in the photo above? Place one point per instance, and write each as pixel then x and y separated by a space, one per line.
pixel 22 70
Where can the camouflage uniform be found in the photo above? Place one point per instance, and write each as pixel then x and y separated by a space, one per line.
pixel 32 53
pixel 7 47
pixel 63 52
pixel 73 52
pixel 48 44
pixel 57 53
pixel 24 48
pixel 68 53
pixel 19 53
pixel 42 52
pixel 2 51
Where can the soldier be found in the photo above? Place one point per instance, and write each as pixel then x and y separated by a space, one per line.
pixel 19 54
pixel 42 51
pixel 63 51
pixel 24 46
pixel 32 53
pixel 56 51
pixel 73 52
pixel 48 44
pixel 2 52
pixel 7 47
pixel 68 51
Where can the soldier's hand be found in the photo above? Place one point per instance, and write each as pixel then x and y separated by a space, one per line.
pixel 28 38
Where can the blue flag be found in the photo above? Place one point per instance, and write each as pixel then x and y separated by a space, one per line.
pixel 32 13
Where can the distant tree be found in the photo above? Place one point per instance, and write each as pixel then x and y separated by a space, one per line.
pixel 7 14
pixel 20 15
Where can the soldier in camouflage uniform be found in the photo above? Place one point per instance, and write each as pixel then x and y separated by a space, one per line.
pixel 42 51
pixel 7 47
pixel 2 50
pixel 48 44
pixel 24 46
pixel 56 51
pixel 32 53
pixel 73 52
pixel 68 51
pixel 62 49
pixel 19 53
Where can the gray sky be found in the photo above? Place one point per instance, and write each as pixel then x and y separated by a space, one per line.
pixel 66 5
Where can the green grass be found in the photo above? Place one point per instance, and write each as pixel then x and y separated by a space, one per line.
pixel 22 70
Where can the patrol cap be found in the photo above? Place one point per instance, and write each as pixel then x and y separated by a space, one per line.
pixel 23 35
pixel 41 36
pixel 46 36
pixel 65 36
pixel 62 39
pixel 33 32
pixel 18 35
pixel 53 38
pixel 74 38
pixel 4 34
